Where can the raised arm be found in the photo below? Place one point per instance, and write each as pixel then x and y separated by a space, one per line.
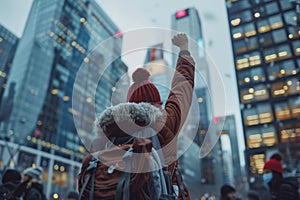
pixel 180 97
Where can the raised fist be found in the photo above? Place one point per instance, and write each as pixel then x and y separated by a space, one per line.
pixel 181 40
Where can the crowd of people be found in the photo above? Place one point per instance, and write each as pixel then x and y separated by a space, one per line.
pixel 145 105
pixel 26 185
pixel 278 186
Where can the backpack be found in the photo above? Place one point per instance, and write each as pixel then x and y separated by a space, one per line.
pixel 103 179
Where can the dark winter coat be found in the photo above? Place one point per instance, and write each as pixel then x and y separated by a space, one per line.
pixel 287 190
pixel 33 192
pixel 166 122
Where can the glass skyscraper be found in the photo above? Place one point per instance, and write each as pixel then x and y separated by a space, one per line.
pixel 57 40
pixel 8 45
pixel 265 40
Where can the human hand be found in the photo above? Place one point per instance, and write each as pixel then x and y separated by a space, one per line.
pixel 180 40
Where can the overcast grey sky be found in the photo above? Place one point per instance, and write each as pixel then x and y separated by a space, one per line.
pixel 134 14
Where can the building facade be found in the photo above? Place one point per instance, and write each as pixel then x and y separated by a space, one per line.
pixel 59 39
pixel 8 45
pixel 161 72
pixel 266 47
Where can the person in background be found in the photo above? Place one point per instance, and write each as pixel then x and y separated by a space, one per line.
pixel 31 187
pixel 279 187
pixel 11 178
pixel 252 196
pixel 228 193
pixel 73 195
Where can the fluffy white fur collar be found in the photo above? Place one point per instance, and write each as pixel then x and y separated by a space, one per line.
pixel 144 113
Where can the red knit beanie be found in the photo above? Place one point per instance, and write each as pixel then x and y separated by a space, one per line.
pixel 274 165
pixel 142 90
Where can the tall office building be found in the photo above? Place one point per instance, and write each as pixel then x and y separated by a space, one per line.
pixel 204 177
pixel 265 40
pixel 57 39
pixel 8 45
pixel 161 72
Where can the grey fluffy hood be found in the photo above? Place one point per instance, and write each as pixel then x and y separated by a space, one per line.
pixel 127 118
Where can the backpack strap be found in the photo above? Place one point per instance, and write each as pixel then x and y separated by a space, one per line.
pixel 91 169
pixel 157 147
pixel 124 182
pixel 180 184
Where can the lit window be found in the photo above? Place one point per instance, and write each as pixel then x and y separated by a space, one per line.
pixel 66 98
pixel 54 91
pixel 237 35
pixel 250 33
pixel 257 15
pixel 257 163
pixel 235 22
pixel 264 29
pixel 89 99
pixel 82 20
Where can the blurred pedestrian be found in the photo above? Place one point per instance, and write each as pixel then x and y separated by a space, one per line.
pixel 279 187
pixel 31 187
pixel 11 178
pixel 73 195
pixel 252 195
pixel 228 192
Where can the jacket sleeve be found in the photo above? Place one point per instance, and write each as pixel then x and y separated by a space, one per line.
pixel 180 97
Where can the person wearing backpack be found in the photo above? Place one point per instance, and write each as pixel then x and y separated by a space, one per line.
pixel 280 188
pixel 143 111
pixel 11 178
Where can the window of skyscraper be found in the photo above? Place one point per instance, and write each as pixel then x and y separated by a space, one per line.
pixel 258 114
pixel 272 8
pixel 252 43
pixel 263 26
pixel 265 113
pixel 296 47
pixel 289 131
pixel 268 135
pixel 281 69
pixel 282 111
pixel 254 139
pixel 237 33
pixel 276 21
pixel 293 32
pixel 249 29
pixel 252 75
pixel 241 17
pixel 284 88
pixel 285 5
pixel 291 17
pixel 248 60
pixel 240 46
pixel 257 163
pixel 279 35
